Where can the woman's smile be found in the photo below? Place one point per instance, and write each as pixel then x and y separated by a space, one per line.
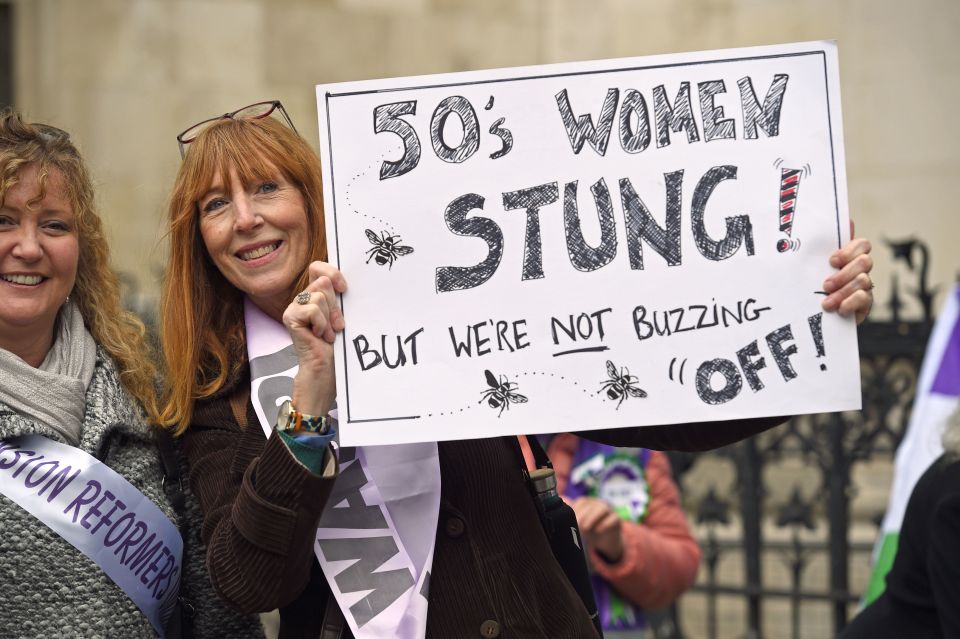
pixel 22 279
pixel 252 255
pixel 257 236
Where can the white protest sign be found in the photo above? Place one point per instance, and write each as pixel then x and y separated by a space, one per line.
pixel 591 245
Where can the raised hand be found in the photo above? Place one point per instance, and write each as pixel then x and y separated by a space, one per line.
pixel 313 319
pixel 850 290
pixel 600 526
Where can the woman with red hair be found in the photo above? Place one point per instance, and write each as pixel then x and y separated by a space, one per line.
pixel 248 258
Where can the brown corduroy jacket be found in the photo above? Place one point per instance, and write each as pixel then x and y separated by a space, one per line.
pixel 493 571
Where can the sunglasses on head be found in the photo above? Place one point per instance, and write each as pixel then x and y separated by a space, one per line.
pixel 254 111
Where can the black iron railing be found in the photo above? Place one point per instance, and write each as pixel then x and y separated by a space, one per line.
pixel 832 444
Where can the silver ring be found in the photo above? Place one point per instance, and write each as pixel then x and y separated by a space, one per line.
pixel 303 297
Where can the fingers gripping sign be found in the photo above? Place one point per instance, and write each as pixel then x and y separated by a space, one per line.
pixel 330 281
pixel 313 319
pixel 850 290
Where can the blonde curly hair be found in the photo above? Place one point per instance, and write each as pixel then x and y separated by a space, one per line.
pixel 97 288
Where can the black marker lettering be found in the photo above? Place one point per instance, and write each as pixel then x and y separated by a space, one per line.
pixel 582 256
pixel 582 130
pixel 461 107
pixel 738 227
pixel 386 118
pixel 732 382
pixel 714 127
pixel 782 355
pixel 677 117
pixel 453 278
pixel 634 110
pixel 641 226
pixel 531 200
pixel 750 365
pixel 768 116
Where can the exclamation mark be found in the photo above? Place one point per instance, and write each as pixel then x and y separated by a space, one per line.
pixel 816 329
pixel 789 188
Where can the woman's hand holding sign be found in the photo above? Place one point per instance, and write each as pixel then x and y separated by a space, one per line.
pixel 313 319
pixel 850 290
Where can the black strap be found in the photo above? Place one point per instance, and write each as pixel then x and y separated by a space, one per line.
pixel 333 620
pixel 539 455
pixel 571 560
pixel 172 479
pixel 180 624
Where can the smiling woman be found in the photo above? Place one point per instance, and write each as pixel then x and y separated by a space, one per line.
pixel 281 511
pixel 256 234
pixel 38 261
pixel 77 393
pixel 241 223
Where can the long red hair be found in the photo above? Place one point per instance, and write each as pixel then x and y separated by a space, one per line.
pixel 201 313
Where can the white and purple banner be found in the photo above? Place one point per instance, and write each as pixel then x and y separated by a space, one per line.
pixel 99 513
pixel 376 536
pixel 937 397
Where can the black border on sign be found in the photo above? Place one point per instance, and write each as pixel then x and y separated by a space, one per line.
pixel 329 96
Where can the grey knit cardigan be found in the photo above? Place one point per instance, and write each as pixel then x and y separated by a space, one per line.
pixel 48 588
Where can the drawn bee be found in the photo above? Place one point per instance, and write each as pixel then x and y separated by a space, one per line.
pixel 501 393
pixel 386 248
pixel 620 384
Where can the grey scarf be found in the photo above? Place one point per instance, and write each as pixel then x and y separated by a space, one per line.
pixel 53 394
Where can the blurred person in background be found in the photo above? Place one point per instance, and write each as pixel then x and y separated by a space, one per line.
pixel 77 386
pixel 639 546
pixel 922 597
pixel 248 257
